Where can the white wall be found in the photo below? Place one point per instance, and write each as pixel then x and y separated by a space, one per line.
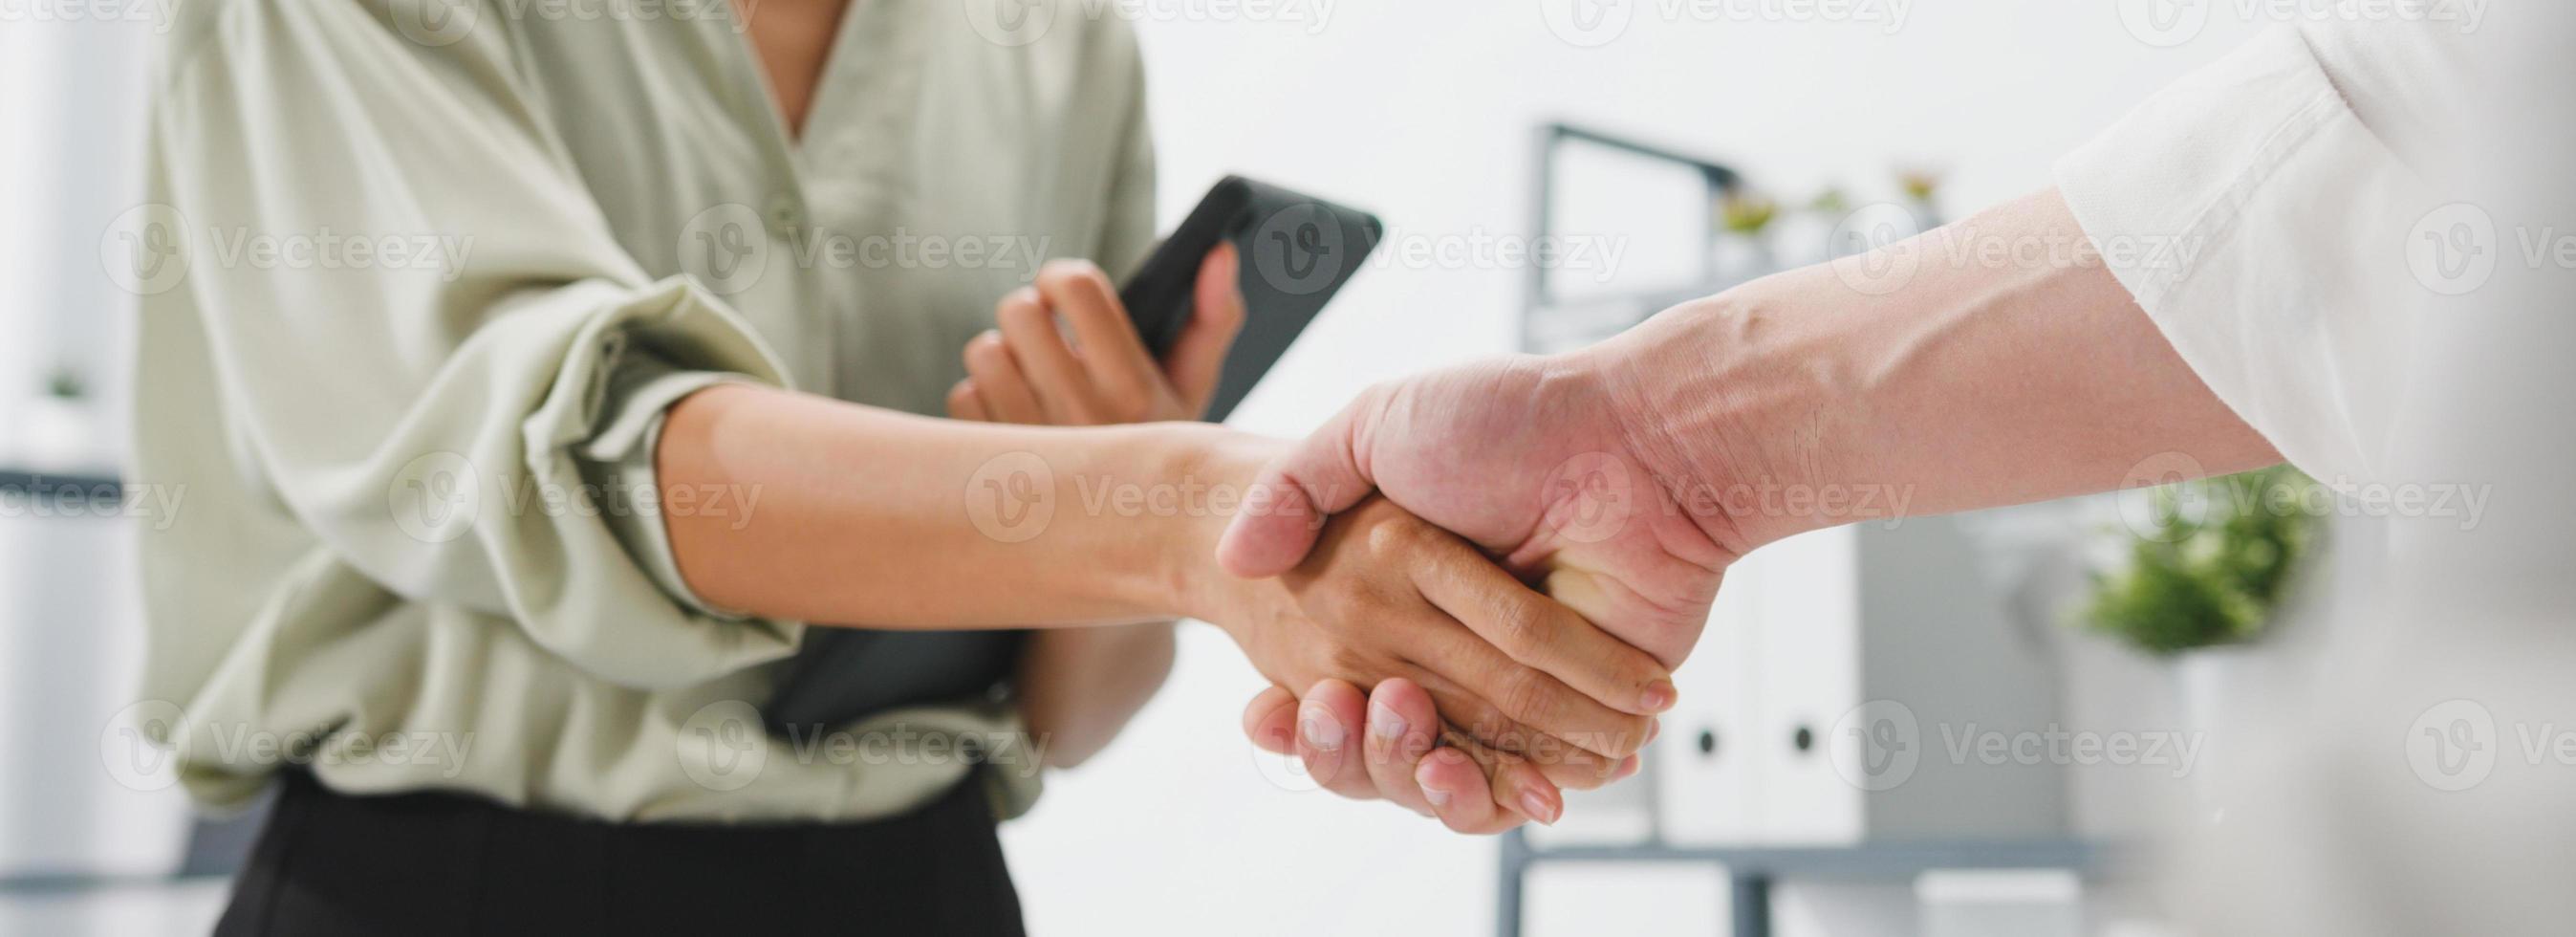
pixel 1423 110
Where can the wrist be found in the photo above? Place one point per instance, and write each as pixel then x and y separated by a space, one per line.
pixel 1735 405
pixel 1202 478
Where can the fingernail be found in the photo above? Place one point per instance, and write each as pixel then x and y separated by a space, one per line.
pixel 1659 696
pixel 1654 727
pixel 1538 807
pixel 1437 797
pixel 1629 766
pixel 1385 724
pixel 1321 731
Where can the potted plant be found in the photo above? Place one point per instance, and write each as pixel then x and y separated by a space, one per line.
pixel 1922 187
pixel 1745 216
pixel 2209 564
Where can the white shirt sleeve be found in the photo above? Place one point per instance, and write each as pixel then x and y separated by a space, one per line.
pixel 2263 224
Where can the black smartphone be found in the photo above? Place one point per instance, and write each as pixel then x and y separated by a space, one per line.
pixel 1296 251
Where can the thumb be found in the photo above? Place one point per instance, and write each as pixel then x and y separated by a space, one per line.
pixel 1197 358
pixel 1270 720
pixel 1293 495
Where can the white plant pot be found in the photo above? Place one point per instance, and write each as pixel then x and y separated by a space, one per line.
pixel 2214 689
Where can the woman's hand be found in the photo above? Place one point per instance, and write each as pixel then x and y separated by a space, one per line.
pixel 1398 757
pixel 1024 371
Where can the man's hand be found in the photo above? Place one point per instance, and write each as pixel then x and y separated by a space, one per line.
pixel 1531 460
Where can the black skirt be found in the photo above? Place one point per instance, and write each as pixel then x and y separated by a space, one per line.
pixel 440 864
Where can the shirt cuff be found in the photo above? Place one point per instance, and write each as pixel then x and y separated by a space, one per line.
pixel 617 462
pixel 2260 225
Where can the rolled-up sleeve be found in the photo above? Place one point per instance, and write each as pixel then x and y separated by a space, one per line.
pixel 2262 224
pixel 436 406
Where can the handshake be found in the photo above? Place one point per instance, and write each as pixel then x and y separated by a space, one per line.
pixel 1510 556
pixel 1490 550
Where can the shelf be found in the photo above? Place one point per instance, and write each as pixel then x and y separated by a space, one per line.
pixel 1751 870
pixel 61 487
pixel 1885 860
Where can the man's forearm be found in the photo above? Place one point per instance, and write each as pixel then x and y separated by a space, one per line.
pixel 895 521
pixel 2009 366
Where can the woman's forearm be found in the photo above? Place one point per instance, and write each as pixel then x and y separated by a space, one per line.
pixel 2007 366
pixel 864 515
pixel 1079 686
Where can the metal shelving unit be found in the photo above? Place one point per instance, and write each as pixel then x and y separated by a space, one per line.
pixel 85 488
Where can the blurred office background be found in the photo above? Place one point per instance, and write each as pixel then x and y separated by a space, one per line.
pixel 1426 113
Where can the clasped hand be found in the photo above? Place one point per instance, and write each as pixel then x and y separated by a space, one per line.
pixel 1488 696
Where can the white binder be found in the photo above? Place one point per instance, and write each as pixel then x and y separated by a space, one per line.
pixel 1702 765
pixel 1827 702
pixel 1883 651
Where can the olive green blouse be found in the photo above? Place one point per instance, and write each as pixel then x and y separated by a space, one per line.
pixel 418 278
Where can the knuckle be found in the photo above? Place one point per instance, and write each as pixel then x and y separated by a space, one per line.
pixel 1342 661
pixel 1067 273
pixel 1396 535
pixel 1129 404
pixel 1520 628
pixel 1529 696
pixel 985 355
pixel 1349 602
pixel 1020 311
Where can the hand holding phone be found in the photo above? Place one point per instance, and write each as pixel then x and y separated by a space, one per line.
pixel 1294 252
pixel 1024 370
